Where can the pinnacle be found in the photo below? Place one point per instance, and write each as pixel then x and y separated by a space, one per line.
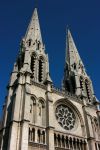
pixel 33 31
pixel 73 57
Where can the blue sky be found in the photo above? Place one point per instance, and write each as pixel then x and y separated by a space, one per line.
pixel 83 19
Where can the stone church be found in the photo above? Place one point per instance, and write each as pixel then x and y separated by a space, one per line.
pixel 38 116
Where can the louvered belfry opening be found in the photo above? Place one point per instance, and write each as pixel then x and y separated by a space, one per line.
pixel 81 83
pixel 88 89
pixel 40 75
pixel 33 62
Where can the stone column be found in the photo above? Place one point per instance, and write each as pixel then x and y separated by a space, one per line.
pixel 12 143
pixel 45 138
pixel 50 138
pixel 57 140
pixel 49 115
pixel 72 144
pixel 65 142
pixel 89 129
pixel 26 112
pixel 91 143
pixel 68 143
pixel 24 138
pixel 97 147
pixel 36 135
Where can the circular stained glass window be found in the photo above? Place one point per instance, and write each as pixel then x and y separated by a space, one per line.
pixel 65 117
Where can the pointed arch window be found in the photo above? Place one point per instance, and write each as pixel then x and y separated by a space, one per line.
pixel 41 69
pixel 55 139
pixel 63 141
pixel 43 134
pixel 38 45
pixel 81 83
pixel 73 84
pixel 22 58
pixel 32 135
pixel 29 42
pixel 33 64
pixel 67 85
pixel 41 112
pixel 88 89
pixel 33 114
pixel 59 141
pixel 39 136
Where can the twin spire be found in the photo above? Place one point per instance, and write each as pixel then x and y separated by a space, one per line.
pixel 74 73
pixel 34 33
pixel 72 56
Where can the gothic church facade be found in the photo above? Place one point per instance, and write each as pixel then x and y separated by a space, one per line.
pixel 36 115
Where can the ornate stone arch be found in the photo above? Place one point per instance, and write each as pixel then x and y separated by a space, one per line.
pixel 68 103
pixel 42 100
pixel 34 53
pixel 33 97
pixel 42 57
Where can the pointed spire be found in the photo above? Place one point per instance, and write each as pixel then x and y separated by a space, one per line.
pixel 72 52
pixel 33 32
pixel 76 79
pixel 72 56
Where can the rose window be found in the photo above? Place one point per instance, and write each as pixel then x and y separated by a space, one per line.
pixel 65 117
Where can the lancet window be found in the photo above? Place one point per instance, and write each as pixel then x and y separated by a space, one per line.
pixel 88 90
pixel 82 83
pixel 29 42
pixel 33 64
pixel 32 135
pixel 41 112
pixel 33 113
pixel 73 84
pixel 41 69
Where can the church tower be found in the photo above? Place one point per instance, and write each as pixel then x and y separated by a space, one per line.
pixel 76 80
pixel 36 115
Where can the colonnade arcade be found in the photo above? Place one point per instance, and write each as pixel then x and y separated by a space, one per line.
pixel 69 142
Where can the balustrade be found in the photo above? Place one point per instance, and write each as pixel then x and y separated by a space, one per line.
pixel 37 135
pixel 62 141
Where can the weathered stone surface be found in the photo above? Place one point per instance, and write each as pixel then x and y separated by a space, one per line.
pixel 35 113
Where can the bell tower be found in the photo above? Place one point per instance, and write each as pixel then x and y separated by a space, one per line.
pixel 39 116
pixel 32 54
pixel 76 80
pixel 30 72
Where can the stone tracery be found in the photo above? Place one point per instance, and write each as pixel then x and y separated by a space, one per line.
pixel 65 117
